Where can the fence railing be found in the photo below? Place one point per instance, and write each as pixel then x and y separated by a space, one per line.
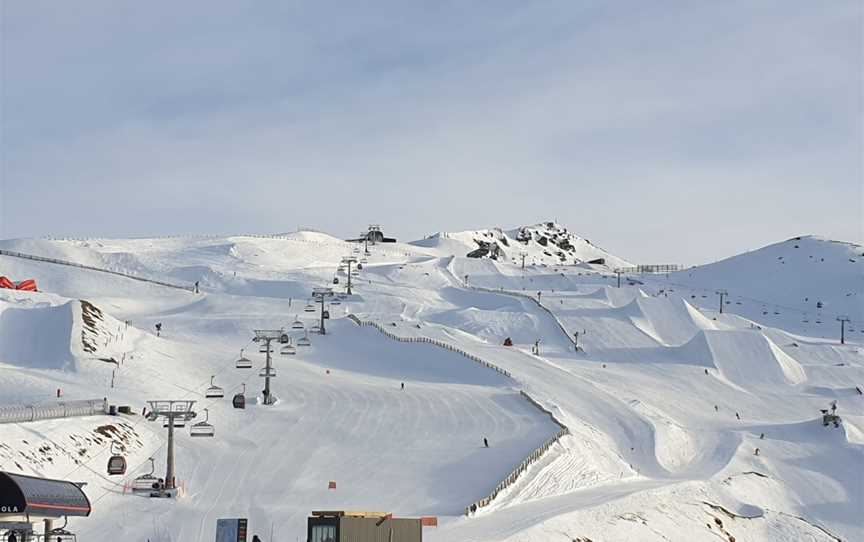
pixel 651 268
pixel 66 409
pixel 91 268
pixel 533 457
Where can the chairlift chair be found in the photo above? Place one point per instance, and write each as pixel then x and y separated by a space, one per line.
pixel 263 348
pixel 214 391
pixel 264 372
pixel 284 338
pixel 309 307
pixel 203 428
pixel 288 350
pixel 179 423
pixel 304 340
pixel 335 280
pixel 243 362
pixel 335 301
pixel 359 266
pixel 239 400
pixel 297 324
pixel 326 315
pixel 147 483
pixel 60 534
pixel 363 260
pixel 116 463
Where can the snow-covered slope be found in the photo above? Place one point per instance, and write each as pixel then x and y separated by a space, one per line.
pixel 545 243
pixel 666 400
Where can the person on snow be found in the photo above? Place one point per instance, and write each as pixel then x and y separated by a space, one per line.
pixel 196 286
pixel 403 385
pixel 485 442
pixel 158 328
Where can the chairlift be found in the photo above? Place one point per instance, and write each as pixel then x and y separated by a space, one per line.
pixel 265 373
pixel 203 428
pixel 243 362
pixel 304 340
pixel 60 534
pixel 214 391
pixel 288 350
pixel 335 280
pixel 284 338
pixel 335 301
pixel 296 324
pixel 263 348
pixel 179 423
pixel 359 266
pixel 116 463
pixel 147 483
pixel 309 307
pixel 363 260
pixel 239 400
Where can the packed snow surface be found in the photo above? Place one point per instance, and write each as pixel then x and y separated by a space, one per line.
pixel 666 399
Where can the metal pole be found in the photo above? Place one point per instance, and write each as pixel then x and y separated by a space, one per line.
pixel 722 294
pixel 618 273
pixel 169 471
pixel 267 400
pixel 349 277
pixel 322 316
pixel 842 320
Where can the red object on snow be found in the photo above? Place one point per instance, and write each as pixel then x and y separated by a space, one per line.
pixel 28 285
pixel 331 485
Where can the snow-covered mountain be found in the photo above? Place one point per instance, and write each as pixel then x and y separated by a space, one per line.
pixel 544 243
pixel 683 424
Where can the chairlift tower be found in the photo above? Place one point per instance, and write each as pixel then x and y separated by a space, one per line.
pixel 321 294
pixel 348 260
pixel 267 336
pixel 618 273
pixel 171 411
pixel 842 320
pixel 722 294
pixel 523 254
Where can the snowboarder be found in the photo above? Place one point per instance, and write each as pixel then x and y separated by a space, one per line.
pixel 858 389
pixel 196 286
pixel 716 408
pixel 761 436
pixel 706 371
pixel 756 452
pixel 485 442
pixel 403 385
pixel 737 415
pixel 158 329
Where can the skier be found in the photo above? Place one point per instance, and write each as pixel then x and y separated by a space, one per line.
pixel 706 371
pixel 403 385
pixel 716 408
pixel 737 415
pixel 485 442
pixel 158 328
pixel 756 452
pixel 196 286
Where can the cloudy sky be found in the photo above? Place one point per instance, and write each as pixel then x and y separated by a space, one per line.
pixel 662 131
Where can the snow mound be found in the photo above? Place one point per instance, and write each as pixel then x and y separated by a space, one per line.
pixel 670 322
pixel 746 358
pixel 808 273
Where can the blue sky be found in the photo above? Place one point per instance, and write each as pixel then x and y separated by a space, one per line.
pixel 662 131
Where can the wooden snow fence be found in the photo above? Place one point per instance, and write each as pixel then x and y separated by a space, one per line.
pixel 532 458
pixel 91 268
